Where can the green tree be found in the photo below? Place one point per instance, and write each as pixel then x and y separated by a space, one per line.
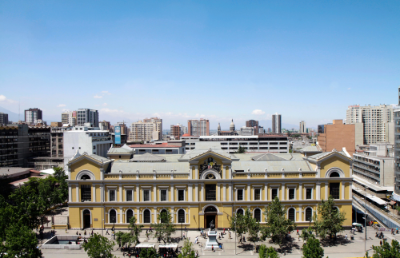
pixel 277 224
pixel 387 250
pixel 148 253
pixel 312 248
pixel 21 242
pixel 241 149
pixel 98 247
pixel 164 228
pixel 265 252
pixel 331 219
pixel 122 238
pixel 5 186
pixel 238 224
pixel 305 233
pixel 187 250
pixel 135 231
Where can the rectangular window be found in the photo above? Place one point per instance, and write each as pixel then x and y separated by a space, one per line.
pixel 163 195
pixel 334 190
pixel 274 193
pixel 112 196
pixel 181 195
pixel 240 194
pixel 211 192
pixel 146 195
pixel 309 193
pixel 86 193
pixel 291 193
pixel 129 195
pixel 257 194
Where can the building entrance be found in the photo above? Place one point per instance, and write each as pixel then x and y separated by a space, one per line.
pixel 210 214
pixel 86 219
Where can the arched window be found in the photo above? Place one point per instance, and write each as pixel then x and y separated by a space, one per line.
pixel 334 174
pixel 335 209
pixel 257 215
pixel 163 215
pixel 113 216
pixel 129 215
pixel 210 209
pixel 85 177
pixel 146 216
pixel 240 211
pixel 308 214
pixel 181 216
pixel 292 214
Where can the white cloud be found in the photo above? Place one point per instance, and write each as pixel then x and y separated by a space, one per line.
pixel 97 96
pixel 61 105
pixel 348 88
pixel 105 104
pixel 6 100
pixel 104 92
pixel 258 112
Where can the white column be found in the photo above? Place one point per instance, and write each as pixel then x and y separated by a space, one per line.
pixel 69 193
pixel 202 192
pixel 342 194
pixel 218 192
pixel 190 193
pixel 248 192
pixel 172 193
pixel 224 192
pixel 154 193
pixel 191 173
pixel 120 193
pixel 101 174
pixel 318 191
pixel 120 215
pixel 230 192
pixel 94 192
pixel 77 193
pixel 137 193
pixel 300 212
pixel 101 193
pixel 196 194
pixel 266 192
pixel 137 216
pixel 69 173
pixel 283 192
pixel 196 171
pixel 300 191
pixel 155 215
pixel 350 191
pixel 173 215
pixel 326 191
pixel 224 172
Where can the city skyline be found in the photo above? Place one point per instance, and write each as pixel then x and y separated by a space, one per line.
pixel 69 56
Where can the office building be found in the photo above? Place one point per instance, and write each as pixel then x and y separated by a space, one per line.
pixel 199 127
pixel 396 193
pixel 175 132
pixel 3 119
pixel 32 116
pixel 56 124
pixel 247 131
pixel 253 123
pixel 170 147
pixel 184 129
pixel 146 130
pixel 105 125
pixel 68 118
pixel 377 122
pixel 190 141
pixel 85 115
pixel 339 135
pixel 83 139
pixel 261 130
pixel 204 185
pixel 302 128
pixel 276 123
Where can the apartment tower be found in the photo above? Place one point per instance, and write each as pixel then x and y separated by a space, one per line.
pixel 254 124
pixel 85 115
pixel 199 127
pixel 32 115
pixel 302 128
pixel 276 123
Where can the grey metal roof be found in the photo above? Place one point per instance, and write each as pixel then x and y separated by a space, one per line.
pixel 125 149
pixel 13 170
pixel 144 167
pixel 271 166
pixel 147 157
pixel 98 158
pixel 310 149
pixel 324 154
pixel 197 152
pixel 267 157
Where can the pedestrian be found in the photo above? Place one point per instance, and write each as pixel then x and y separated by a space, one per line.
pixel 212 248
pixel 224 231
pixel 195 240
pixel 381 242
pixel 184 235
pixel 85 232
pixel 106 232
pixel 346 237
pixel 297 232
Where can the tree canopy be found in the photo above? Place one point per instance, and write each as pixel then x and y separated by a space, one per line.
pixel 312 248
pixel 165 227
pixel 98 246
pixel 187 250
pixel 135 230
pixel 331 219
pixel 269 252
pixel 386 250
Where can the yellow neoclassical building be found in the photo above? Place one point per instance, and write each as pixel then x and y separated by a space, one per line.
pixel 204 184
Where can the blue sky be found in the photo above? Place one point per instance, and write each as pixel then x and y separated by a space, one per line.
pixel 180 60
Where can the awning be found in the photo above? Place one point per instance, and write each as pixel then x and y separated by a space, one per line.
pixel 392 203
pixel 377 200
pixel 168 246
pixel 396 197
pixel 143 245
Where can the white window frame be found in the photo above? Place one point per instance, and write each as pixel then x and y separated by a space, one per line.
pixel 288 191
pixel 151 215
pixel 237 194
pixel 184 216
pixel 305 213
pixel 126 214
pixel 254 193
pixel 277 192
pixel 184 194
pixel 164 189
pixel 305 192
pixel 126 194
pixel 254 213
pixel 295 215
pixel 115 194
pixel 109 216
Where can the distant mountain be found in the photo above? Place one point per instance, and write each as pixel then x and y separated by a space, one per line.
pixel 11 115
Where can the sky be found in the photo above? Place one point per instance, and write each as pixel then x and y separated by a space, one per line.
pixel 180 60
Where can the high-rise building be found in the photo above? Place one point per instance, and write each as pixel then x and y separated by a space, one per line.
pixel 377 122
pixel 32 116
pixel 3 119
pixel 146 130
pixel 175 131
pixel 276 123
pixel 339 135
pixel 86 115
pixel 184 129
pixel 253 123
pixel 396 194
pixel 199 127
pixel 302 127
pixel 68 118
pixel 104 125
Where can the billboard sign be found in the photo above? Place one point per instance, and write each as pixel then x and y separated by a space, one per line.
pixel 117 130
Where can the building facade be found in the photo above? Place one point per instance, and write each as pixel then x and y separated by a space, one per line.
pixel 146 131
pixel 68 118
pixel 175 131
pixel 86 115
pixel 199 127
pixel 247 131
pixel 3 119
pixel 377 122
pixel 158 126
pixel 32 116
pixel 396 193
pixel 207 184
pixel 253 123
pixel 302 128
pixel 276 123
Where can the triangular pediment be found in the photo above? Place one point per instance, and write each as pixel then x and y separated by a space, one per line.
pixel 318 158
pixel 95 159
pixel 210 153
